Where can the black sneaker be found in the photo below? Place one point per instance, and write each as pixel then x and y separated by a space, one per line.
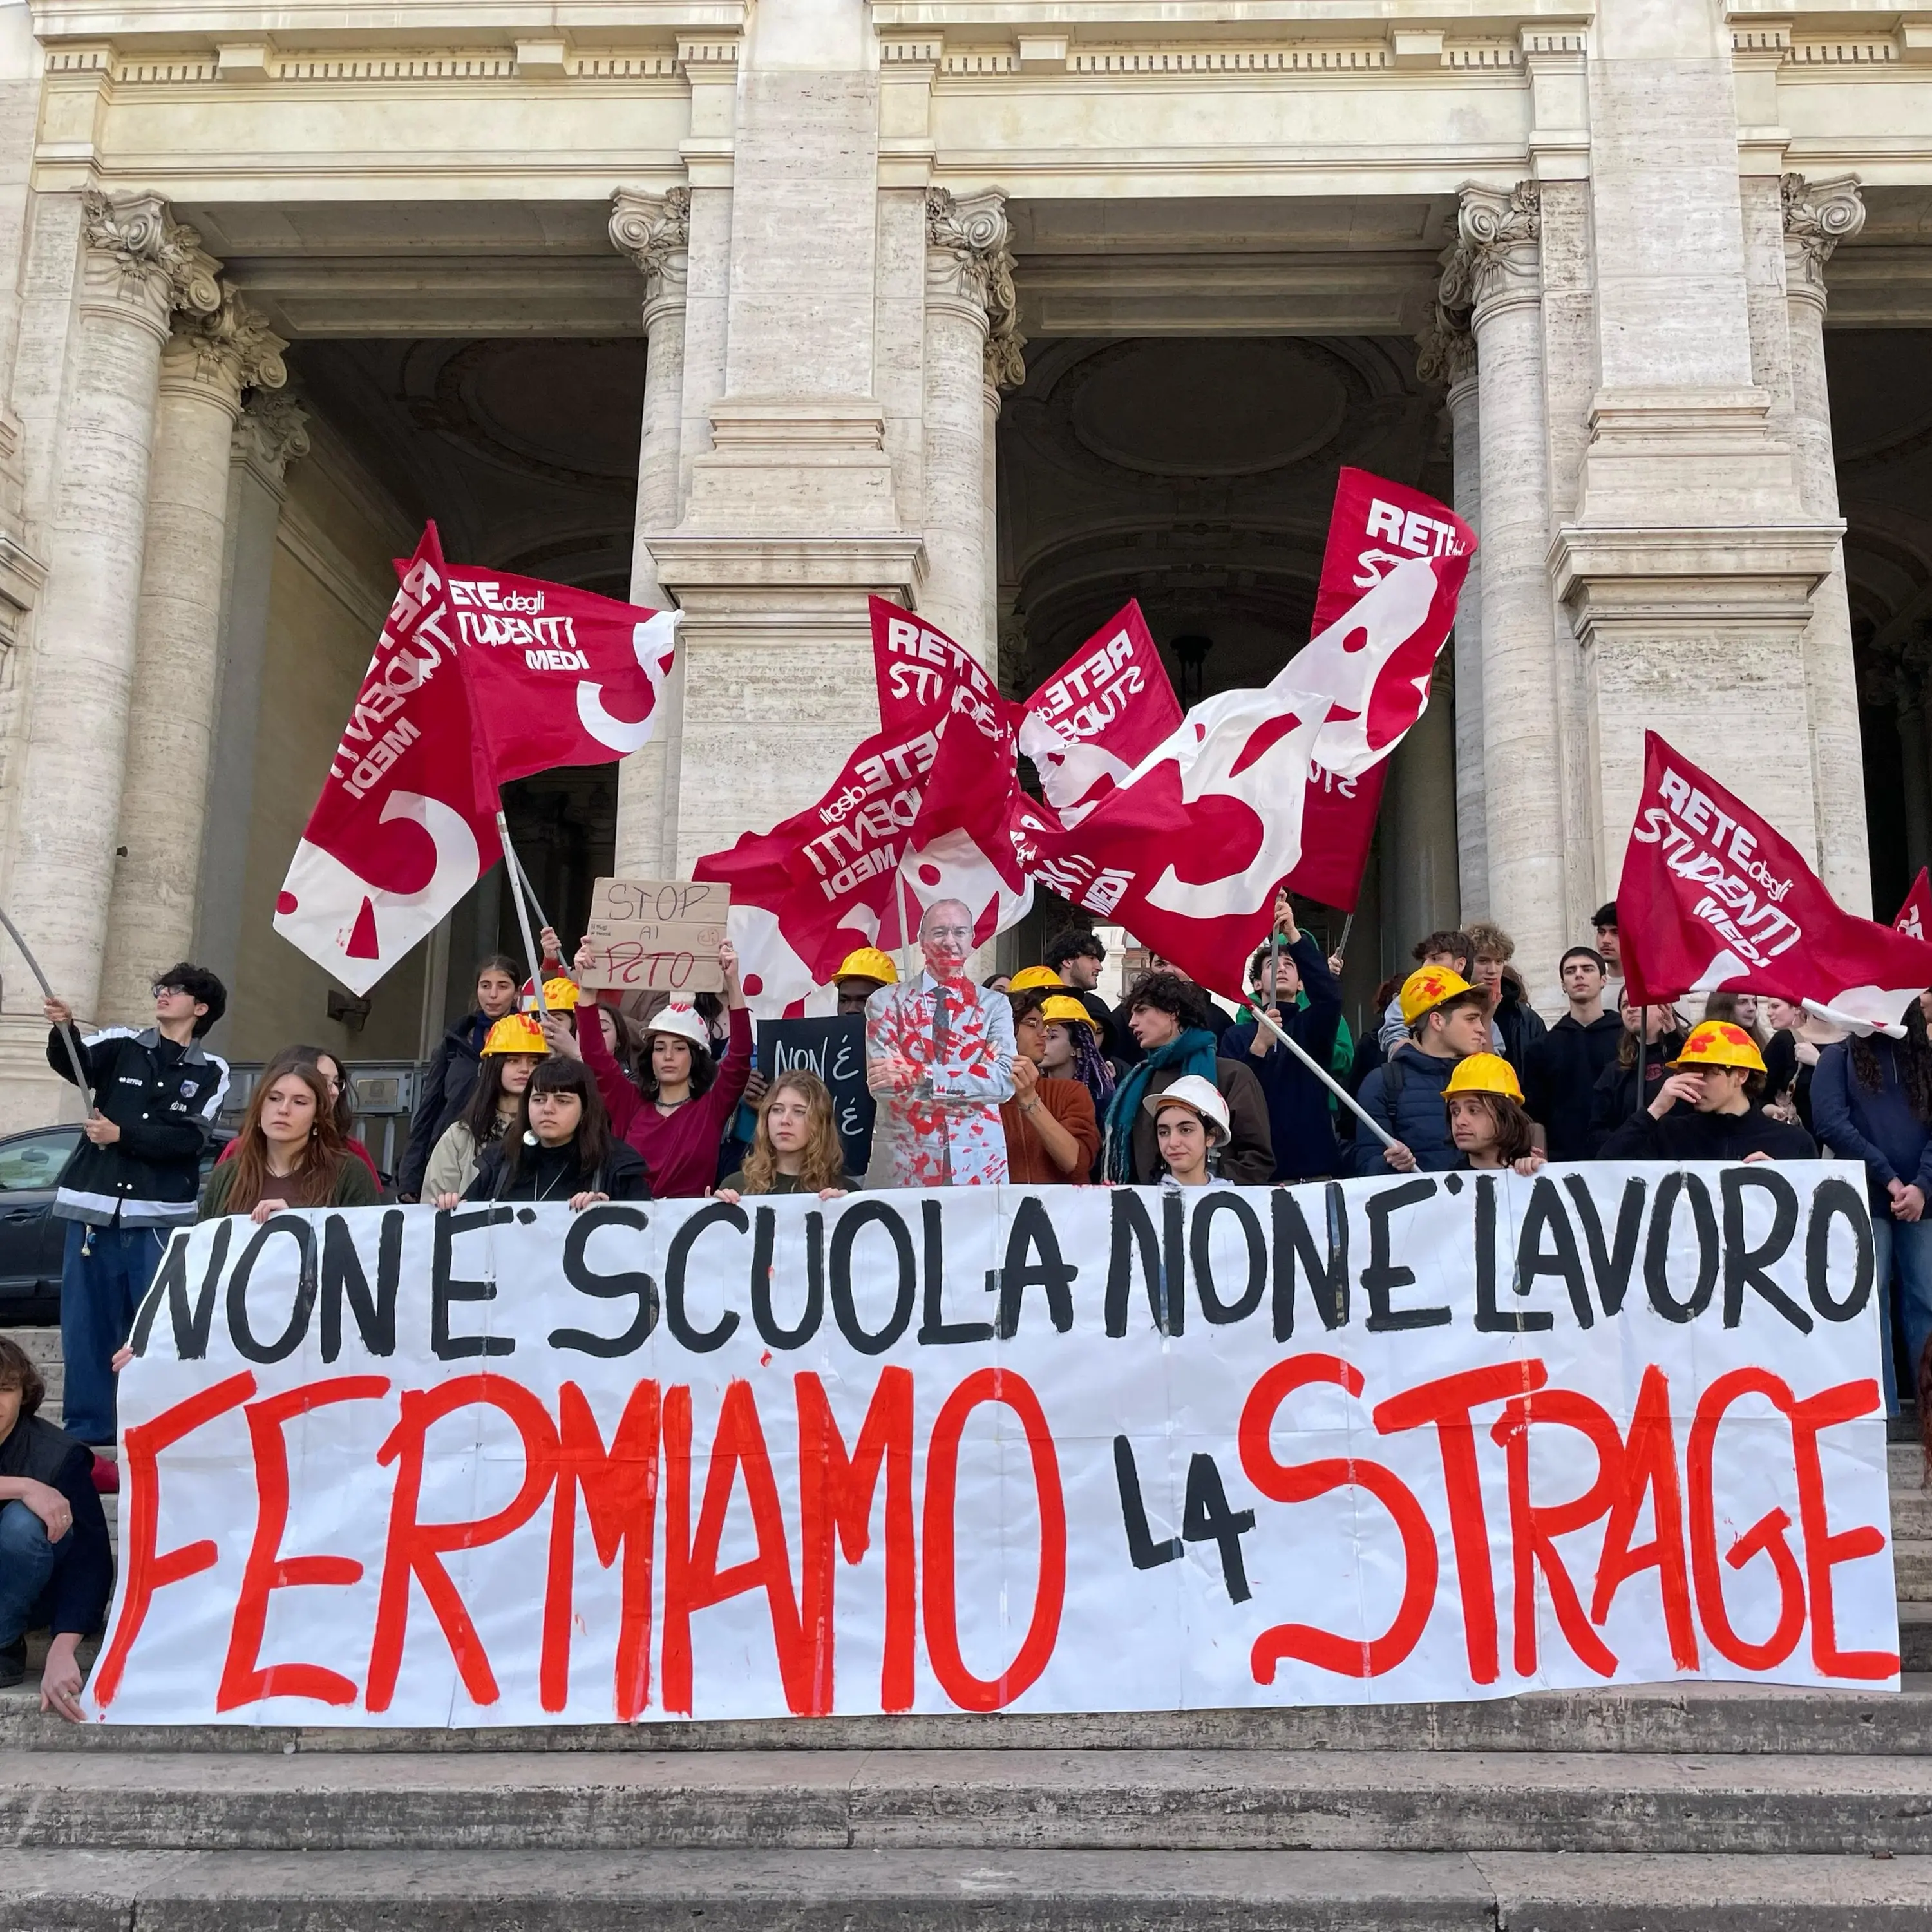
pixel 13 1663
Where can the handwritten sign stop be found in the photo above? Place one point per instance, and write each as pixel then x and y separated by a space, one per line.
pixel 655 935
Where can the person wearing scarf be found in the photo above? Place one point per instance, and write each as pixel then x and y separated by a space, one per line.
pixel 1165 1014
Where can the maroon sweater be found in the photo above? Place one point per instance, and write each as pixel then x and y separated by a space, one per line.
pixel 680 1148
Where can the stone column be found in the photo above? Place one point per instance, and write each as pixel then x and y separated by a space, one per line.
pixel 1915 805
pixel 971 343
pixel 273 432
pixel 1495 274
pixel 1420 868
pixel 655 231
pixel 1818 215
pixel 207 363
pixel 1446 353
pixel 139 267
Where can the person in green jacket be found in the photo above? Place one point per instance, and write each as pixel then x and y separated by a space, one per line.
pixel 289 1152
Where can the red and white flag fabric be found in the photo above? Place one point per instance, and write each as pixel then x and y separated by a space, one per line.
pixel 1914 916
pixel 920 810
pixel 1187 850
pixel 1375 523
pixel 405 824
pixel 557 676
pixel 1713 898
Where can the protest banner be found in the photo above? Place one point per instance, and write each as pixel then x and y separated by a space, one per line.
pixel 655 936
pixel 1448 1436
pixel 835 1050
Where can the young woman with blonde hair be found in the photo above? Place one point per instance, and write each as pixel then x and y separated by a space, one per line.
pixel 795 1146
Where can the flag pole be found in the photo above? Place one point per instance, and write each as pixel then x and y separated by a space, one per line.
pixel 513 867
pixel 66 1030
pixel 536 903
pixel 1329 1080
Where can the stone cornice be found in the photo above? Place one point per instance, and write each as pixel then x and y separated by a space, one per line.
pixel 1818 215
pixel 969 259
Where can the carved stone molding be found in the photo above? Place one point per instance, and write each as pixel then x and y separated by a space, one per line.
pixel 655 231
pixel 1496 261
pixel 141 260
pixel 1445 347
pixel 1818 215
pixel 271 433
pixel 969 259
pixel 230 351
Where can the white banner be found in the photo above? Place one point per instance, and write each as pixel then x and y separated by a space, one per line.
pixel 1065 1449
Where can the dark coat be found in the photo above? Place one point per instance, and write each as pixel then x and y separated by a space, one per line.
pixel 1559 1085
pixel 443 1088
pixel 76 1601
pixel 555 1173
pixel 1615 1100
pixel 1685 1134
pixel 1878 1129
pixel 1414 1111
pixel 165 1099
pixel 1521 1026
pixel 1299 1123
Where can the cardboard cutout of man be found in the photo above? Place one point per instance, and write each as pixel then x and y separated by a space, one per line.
pixel 939 1055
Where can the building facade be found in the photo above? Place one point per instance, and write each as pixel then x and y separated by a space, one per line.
pixel 1009 311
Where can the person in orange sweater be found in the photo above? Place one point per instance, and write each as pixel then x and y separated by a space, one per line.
pixel 1052 1134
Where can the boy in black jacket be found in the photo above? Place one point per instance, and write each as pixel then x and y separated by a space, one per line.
pixel 1560 1086
pixel 133 1177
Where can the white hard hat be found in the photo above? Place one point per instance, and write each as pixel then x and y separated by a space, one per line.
pixel 1198 1095
pixel 683 1021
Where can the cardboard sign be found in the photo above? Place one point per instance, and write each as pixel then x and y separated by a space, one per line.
pixel 655 936
pixel 835 1050
pixel 1436 1437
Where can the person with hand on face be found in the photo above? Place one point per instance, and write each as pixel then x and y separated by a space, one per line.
pixel 132 1176
pixel 514 1051
pixel 443 1089
pixel 1707 1108
pixel 1487 1120
pixel 1657 1034
pixel 1872 1102
pixel 1560 1083
pixel 795 1147
pixel 559 1147
pixel 1173 1026
pixel 1190 1125
pixel 1052 1134
pixel 939 1055
pixel 56 1568
pixel 290 1153
pixel 1300 1126
pixel 1448 1019
pixel 678 1120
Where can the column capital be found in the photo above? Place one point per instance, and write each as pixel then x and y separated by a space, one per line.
pixel 1496 262
pixel 655 231
pixel 1445 347
pixel 969 260
pixel 271 432
pixel 1818 215
pixel 141 263
pixel 225 352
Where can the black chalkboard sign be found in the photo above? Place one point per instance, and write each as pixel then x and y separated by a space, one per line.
pixel 835 1050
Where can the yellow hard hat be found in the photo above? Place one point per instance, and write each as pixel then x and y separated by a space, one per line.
pixel 1720 1043
pixel 1484 1073
pixel 516 1033
pixel 1029 976
pixel 868 963
pixel 560 995
pixel 1063 1009
pixel 1429 987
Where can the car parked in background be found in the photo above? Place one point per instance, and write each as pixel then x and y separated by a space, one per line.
pixel 31 1239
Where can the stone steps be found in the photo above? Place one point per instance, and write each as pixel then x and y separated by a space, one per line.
pixel 991 1802
pixel 952 1891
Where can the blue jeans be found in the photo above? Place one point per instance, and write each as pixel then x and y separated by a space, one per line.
pixel 104 1274
pixel 28 1561
pixel 1904 1247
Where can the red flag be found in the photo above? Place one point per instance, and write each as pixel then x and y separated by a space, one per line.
pixel 1104 710
pixel 557 676
pixel 1374 524
pixel 1187 851
pixel 1914 916
pixel 1713 898
pixel 404 826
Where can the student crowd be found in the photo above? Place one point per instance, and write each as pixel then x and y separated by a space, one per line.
pixel 1031 1079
